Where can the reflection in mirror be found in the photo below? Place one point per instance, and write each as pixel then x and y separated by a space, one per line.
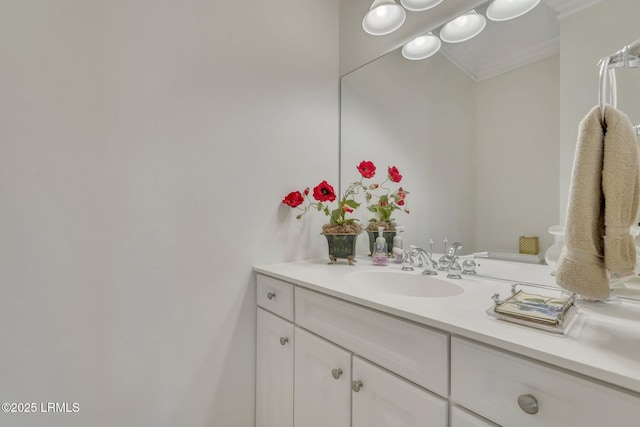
pixel 419 117
pixel 480 157
pixel 484 131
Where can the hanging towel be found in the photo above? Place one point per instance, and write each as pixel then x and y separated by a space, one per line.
pixel 621 188
pixel 604 191
pixel 580 267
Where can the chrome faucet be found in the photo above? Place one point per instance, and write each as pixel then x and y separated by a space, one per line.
pixel 446 261
pixel 449 261
pixel 424 259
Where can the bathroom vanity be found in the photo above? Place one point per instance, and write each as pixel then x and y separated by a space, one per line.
pixel 369 346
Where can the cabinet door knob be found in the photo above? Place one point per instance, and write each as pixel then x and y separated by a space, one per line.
pixel 528 403
pixel 337 373
pixel 284 340
pixel 356 385
pixel 271 295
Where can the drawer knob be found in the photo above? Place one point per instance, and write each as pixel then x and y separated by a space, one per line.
pixel 356 385
pixel 528 403
pixel 284 340
pixel 271 295
pixel 337 373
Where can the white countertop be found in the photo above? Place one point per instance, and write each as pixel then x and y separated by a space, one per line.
pixel 603 343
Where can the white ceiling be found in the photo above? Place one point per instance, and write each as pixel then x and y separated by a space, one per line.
pixel 504 46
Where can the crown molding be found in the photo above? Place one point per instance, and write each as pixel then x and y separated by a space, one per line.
pixel 519 59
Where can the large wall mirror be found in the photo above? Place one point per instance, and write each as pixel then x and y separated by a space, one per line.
pixel 484 131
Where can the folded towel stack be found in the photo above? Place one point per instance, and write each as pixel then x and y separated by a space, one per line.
pixel 603 204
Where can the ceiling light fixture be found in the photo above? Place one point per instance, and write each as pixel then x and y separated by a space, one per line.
pixel 463 28
pixel 384 17
pixel 419 5
pixel 503 10
pixel 421 47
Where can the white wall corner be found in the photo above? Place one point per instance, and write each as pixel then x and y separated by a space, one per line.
pixel 566 8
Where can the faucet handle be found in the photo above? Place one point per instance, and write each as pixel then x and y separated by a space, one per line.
pixel 407 261
pixel 454 270
pixel 444 263
pixel 468 264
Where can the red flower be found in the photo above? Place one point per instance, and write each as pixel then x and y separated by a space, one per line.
pixel 346 208
pixel 324 192
pixel 394 175
pixel 367 169
pixel 400 202
pixel 293 199
pixel 401 194
pixel 306 191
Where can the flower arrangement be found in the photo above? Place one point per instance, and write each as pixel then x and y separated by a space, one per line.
pixel 386 201
pixel 324 193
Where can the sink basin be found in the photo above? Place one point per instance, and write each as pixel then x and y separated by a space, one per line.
pixel 406 284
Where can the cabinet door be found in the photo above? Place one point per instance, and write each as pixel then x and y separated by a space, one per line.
pixel 322 383
pixel 274 371
pixel 462 418
pixel 382 399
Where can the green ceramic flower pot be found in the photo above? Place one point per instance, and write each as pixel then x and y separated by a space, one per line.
pixel 341 246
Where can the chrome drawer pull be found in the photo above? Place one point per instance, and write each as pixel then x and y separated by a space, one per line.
pixel 528 403
pixel 337 373
pixel 356 385
pixel 284 340
pixel 271 295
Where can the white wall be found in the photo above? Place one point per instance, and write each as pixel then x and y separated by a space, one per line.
pixel 420 117
pixel 587 36
pixel 480 158
pixel 517 161
pixel 145 148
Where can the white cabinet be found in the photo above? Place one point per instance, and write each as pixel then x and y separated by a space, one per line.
pixel 513 391
pixel 274 371
pixel 304 368
pixel 322 383
pixel 276 296
pixel 382 399
pixel 327 394
pixel 326 362
pixel 462 418
pixel 412 351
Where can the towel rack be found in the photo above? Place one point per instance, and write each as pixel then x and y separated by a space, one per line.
pixel 627 57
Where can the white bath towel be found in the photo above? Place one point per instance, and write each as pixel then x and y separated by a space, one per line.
pixel 604 191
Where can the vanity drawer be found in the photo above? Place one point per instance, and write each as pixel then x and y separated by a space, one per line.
pixel 275 295
pixel 415 352
pixel 490 383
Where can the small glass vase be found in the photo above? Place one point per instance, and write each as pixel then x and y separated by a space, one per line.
pixel 552 254
pixel 341 246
